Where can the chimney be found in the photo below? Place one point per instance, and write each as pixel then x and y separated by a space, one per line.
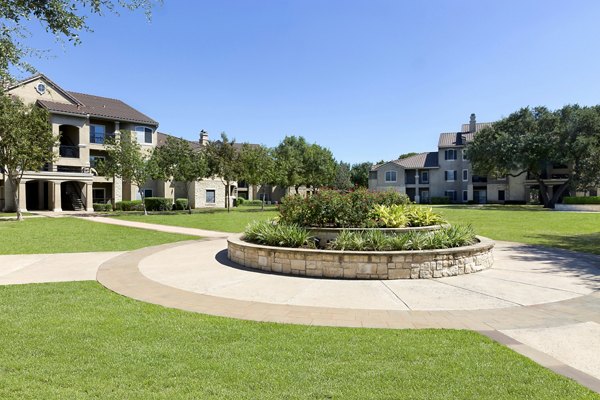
pixel 203 137
pixel 472 123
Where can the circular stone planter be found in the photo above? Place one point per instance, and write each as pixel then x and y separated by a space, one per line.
pixel 418 264
pixel 326 235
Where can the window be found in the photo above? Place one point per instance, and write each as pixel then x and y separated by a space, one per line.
pixel 450 175
pixel 501 195
pixel 95 159
pixel 99 195
pixel 390 176
pixel 465 195
pixel 450 194
pixel 144 134
pixel 424 176
pixel 97 133
pixel 464 155
pixel 450 154
pixel 465 175
pixel 210 196
pixel 147 193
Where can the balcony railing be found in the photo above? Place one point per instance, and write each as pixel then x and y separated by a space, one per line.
pixel 69 151
pixel 100 138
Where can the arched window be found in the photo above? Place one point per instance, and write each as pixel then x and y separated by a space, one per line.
pixel 144 134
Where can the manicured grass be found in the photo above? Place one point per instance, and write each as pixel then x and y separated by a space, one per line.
pixel 530 224
pixel 70 235
pixel 79 340
pixel 211 219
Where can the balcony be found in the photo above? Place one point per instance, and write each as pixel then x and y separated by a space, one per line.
pixel 68 151
pixel 479 179
pixel 100 138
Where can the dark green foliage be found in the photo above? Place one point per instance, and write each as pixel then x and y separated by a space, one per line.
pixel 582 200
pixel 343 175
pixel 374 240
pixel 101 207
pixel 252 203
pixel 129 205
pixel 440 200
pixel 180 204
pixel 360 174
pixel 271 234
pixel 329 208
pixel 158 203
pixel 239 201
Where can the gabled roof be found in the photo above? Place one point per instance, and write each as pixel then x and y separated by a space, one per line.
pixel 421 161
pixel 451 139
pixel 100 107
pixel 48 81
pixel 478 126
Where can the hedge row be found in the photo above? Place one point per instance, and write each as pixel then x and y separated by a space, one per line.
pixel 582 200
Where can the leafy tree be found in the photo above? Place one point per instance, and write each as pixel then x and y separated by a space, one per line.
pixel 26 142
pixel 179 161
pixel 343 177
pixel 319 167
pixel 360 174
pixel 531 140
pixel 289 161
pixel 223 161
pixel 65 19
pixel 257 166
pixel 406 155
pixel 126 159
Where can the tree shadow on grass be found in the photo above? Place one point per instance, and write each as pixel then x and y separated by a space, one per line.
pixel 585 243
pixel 494 207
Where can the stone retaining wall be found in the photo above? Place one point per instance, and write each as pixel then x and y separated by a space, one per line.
pixel 420 264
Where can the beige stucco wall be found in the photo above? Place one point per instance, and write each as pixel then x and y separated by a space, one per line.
pixel 380 185
pixel 29 95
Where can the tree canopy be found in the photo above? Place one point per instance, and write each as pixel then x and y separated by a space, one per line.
pixel 64 19
pixel 533 140
pixel 343 177
pixel 360 174
pixel 224 162
pixel 26 142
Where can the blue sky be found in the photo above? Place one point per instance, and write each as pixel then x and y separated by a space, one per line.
pixel 368 79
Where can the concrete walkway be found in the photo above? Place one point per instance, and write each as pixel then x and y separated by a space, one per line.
pixel 158 227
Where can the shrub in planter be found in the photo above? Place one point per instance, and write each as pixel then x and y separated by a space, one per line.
pixel 421 216
pixel 582 200
pixel 180 204
pixel 271 234
pixel 126 205
pixel 101 207
pixel 393 216
pixel 158 204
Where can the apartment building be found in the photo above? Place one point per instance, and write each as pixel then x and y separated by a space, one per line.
pixel 447 173
pixel 82 123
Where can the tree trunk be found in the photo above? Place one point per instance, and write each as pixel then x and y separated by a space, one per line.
pixel 262 203
pixel 227 201
pixel 557 193
pixel 17 197
pixel 141 192
pixel 544 194
pixel 187 189
pixel 297 187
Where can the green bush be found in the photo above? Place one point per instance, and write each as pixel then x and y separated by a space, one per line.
pixel 440 200
pixel 421 216
pixel 180 204
pixel 271 234
pixel 127 205
pixel 582 200
pixel 330 208
pixel 101 207
pixel 374 240
pixel 393 216
pixel 252 203
pixel 239 201
pixel 158 203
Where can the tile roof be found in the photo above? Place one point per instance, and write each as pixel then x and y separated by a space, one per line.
pixel 161 139
pixel 450 139
pixel 422 160
pixel 478 126
pixel 101 107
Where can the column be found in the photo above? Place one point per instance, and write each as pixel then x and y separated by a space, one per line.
pixel 417 197
pixel 89 197
pixel 56 200
pixel 117 189
pixel 22 197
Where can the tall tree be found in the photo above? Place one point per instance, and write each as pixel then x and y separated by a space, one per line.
pixel 64 19
pixel 531 140
pixel 257 166
pixel 223 161
pixel 360 174
pixel 289 161
pixel 179 161
pixel 343 175
pixel 26 142
pixel 126 159
pixel 319 167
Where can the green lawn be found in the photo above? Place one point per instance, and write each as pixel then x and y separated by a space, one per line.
pixel 70 235
pixel 530 224
pixel 79 340
pixel 211 219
